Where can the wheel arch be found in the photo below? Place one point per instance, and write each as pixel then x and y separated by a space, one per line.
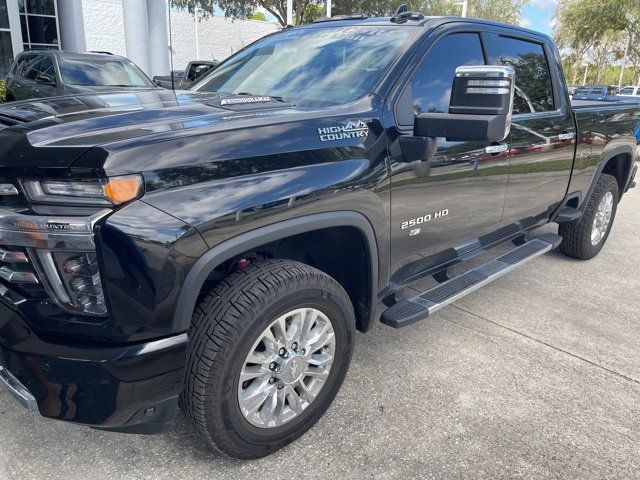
pixel 227 250
pixel 618 162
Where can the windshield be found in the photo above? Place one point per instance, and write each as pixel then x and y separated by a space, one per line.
pixel 328 64
pixel 102 73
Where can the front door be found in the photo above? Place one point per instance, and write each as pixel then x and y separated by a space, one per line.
pixel 439 208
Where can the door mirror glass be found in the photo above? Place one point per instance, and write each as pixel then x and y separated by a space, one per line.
pixel 480 107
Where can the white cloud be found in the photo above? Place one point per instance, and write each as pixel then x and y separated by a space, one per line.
pixel 525 22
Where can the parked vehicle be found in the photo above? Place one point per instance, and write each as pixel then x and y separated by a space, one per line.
pixel 196 70
pixel 184 79
pixel 169 81
pixel 606 93
pixel 220 250
pixel 629 91
pixel 49 73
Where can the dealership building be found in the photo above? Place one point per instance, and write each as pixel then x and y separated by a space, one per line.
pixel 137 29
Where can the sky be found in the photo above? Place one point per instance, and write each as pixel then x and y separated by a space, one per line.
pixel 538 15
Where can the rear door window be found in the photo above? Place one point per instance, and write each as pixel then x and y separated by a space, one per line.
pixel 534 92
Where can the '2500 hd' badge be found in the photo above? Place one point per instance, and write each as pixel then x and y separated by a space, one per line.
pixel 357 129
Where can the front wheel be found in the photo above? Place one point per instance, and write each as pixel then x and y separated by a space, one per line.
pixel 585 238
pixel 270 347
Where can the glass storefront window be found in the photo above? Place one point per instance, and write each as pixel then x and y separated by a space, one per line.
pixel 39 23
pixel 6 52
pixel 42 30
pixel 41 7
pixel 6 47
pixel 4 14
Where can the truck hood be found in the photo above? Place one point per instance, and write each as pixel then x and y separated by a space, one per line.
pixel 143 131
pixel 98 119
pixel 91 120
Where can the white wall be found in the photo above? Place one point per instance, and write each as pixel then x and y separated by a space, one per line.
pixel 219 37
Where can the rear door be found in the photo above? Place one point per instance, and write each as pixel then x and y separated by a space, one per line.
pixel 542 130
pixel 456 197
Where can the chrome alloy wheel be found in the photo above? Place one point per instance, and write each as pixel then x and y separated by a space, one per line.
pixel 286 368
pixel 602 219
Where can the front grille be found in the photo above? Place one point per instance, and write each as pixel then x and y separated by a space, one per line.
pixel 18 272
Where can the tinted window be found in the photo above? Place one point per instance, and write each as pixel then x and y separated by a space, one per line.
pixel 533 82
pixel 103 72
pixel 432 80
pixel 626 91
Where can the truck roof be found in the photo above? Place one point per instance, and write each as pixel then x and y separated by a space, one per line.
pixel 426 22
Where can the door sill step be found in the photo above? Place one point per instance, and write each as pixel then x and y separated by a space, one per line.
pixel 408 311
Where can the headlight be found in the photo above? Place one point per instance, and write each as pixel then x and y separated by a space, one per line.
pixel 110 191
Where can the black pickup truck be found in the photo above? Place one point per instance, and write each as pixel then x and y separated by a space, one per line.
pixel 218 249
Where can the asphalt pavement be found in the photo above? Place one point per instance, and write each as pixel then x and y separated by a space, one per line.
pixel 535 376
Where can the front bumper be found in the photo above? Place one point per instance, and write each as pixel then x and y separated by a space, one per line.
pixel 126 388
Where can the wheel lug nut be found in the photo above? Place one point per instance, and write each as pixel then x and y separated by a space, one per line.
pixel 295 346
pixel 273 366
pixel 272 380
pixel 303 351
pixel 283 352
pixel 280 386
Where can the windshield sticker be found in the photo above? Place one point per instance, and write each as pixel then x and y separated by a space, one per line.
pixel 357 129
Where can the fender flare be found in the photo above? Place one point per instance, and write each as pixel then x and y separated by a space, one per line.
pixel 203 267
pixel 626 149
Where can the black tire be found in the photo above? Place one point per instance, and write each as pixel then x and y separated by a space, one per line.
pixel 576 237
pixel 227 322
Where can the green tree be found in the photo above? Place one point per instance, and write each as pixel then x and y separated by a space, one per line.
pixel 499 10
pixel 257 16
pixel 595 34
pixel 307 10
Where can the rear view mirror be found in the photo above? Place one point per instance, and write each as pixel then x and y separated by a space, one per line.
pixel 480 107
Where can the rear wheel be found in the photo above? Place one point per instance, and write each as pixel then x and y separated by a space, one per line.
pixel 269 348
pixel 584 239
